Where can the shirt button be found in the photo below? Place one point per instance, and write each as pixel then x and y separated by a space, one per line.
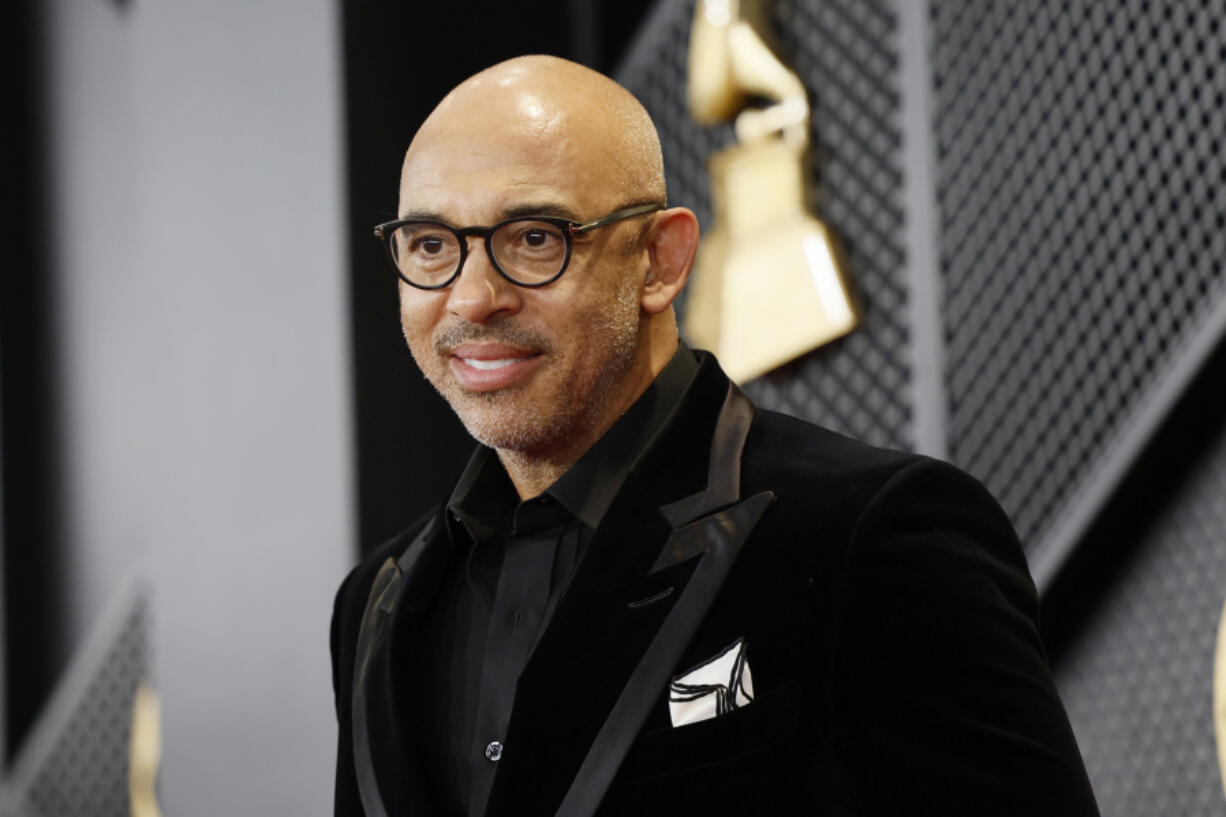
pixel 493 752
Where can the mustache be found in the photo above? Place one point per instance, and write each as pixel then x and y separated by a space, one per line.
pixel 452 336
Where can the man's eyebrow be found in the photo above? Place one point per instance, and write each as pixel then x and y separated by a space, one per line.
pixel 518 211
pixel 421 215
pixel 541 209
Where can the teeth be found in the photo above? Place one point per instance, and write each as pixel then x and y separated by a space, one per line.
pixel 489 364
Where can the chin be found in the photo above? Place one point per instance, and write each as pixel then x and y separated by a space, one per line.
pixel 504 434
pixel 501 423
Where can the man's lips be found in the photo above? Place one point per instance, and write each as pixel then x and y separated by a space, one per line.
pixel 491 366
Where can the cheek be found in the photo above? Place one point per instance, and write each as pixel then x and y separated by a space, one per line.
pixel 417 323
pixel 606 326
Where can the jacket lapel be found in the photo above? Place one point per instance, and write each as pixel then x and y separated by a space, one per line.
pixel 388 781
pixel 584 658
pixel 616 637
pixel 713 543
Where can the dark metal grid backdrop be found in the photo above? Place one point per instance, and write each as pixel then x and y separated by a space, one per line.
pixel 78 763
pixel 1080 170
pixel 845 51
pixel 1137 681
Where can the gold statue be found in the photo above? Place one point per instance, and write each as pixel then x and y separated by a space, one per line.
pixel 767 285
pixel 145 752
pixel 1219 695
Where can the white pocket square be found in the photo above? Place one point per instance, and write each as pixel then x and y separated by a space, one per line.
pixel 715 687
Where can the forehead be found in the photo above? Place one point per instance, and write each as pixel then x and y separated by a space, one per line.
pixel 475 160
pixel 475 191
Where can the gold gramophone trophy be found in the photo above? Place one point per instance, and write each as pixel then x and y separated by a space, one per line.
pixel 1219 695
pixel 145 752
pixel 767 284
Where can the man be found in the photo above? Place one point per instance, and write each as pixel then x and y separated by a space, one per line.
pixel 643 596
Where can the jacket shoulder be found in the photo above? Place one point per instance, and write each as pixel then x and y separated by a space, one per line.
pixel 825 481
pixel 791 455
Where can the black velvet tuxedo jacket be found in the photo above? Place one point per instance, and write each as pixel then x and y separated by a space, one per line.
pixel 890 624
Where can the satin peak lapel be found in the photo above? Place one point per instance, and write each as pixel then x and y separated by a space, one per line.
pixel 374 715
pixel 715 540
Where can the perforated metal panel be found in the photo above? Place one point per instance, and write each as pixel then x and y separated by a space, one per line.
pixel 845 52
pixel 1138 681
pixel 1080 175
pixel 77 762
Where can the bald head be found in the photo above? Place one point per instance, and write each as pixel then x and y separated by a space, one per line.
pixel 546 109
pixel 540 373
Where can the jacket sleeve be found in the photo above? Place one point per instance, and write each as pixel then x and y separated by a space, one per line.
pixel 347 802
pixel 946 702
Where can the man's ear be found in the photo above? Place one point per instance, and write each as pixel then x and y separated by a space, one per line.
pixel 671 245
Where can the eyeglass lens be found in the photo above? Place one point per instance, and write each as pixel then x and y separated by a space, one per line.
pixel 527 251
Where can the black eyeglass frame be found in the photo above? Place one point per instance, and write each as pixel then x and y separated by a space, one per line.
pixel 387 231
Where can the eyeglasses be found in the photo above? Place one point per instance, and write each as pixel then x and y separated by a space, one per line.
pixel 530 251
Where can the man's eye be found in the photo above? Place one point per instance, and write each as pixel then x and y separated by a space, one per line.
pixel 536 238
pixel 429 245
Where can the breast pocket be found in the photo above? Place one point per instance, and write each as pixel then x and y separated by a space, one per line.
pixel 735 738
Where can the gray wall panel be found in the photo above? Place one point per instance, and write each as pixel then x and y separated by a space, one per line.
pixel 197 187
pixel 1137 679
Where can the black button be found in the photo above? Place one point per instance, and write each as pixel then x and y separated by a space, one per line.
pixel 493 752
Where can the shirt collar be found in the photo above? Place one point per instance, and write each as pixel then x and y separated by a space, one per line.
pixel 484 499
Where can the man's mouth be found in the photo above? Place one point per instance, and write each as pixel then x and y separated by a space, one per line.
pixel 487 365
pixel 491 366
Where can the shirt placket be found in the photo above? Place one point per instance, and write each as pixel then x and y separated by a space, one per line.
pixel 520 604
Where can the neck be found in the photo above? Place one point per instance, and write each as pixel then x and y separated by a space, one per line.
pixel 532 475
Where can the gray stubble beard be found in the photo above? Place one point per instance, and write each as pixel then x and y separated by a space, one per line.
pixel 516 433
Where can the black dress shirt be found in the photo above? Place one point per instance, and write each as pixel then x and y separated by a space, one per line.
pixel 511 563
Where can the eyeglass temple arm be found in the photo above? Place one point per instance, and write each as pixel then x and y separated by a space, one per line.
pixel 617 215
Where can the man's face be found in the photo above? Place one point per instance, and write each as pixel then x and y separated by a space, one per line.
pixel 526 370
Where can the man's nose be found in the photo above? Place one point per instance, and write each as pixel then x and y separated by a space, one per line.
pixel 480 293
